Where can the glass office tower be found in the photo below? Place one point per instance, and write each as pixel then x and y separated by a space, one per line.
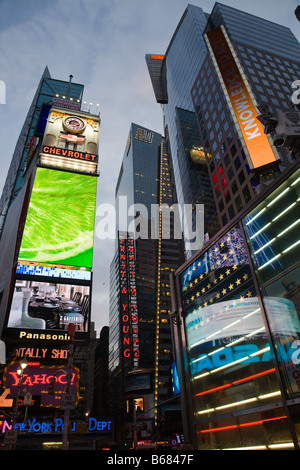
pixel 266 57
pixel 140 333
pixel 187 78
pixel 172 77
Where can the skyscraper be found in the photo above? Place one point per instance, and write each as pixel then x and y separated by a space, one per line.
pixel 173 75
pixel 187 81
pixel 140 334
pixel 262 63
pixel 49 90
pixel 246 67
pixel 46 254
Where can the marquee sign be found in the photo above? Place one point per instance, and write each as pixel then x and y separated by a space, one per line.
pixel 128 301
pixel 88 157
pixel 39 353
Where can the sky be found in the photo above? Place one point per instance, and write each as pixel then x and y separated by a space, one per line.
pixel 103 44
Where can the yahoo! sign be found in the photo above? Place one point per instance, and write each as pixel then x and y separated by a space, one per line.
pixel 37 378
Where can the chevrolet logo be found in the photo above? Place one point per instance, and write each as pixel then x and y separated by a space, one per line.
pixel 72 138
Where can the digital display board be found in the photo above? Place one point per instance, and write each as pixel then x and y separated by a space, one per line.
pixel 130 318
pixel 49 306
pixel 59 227
pixel 36 378
pixel 239 99
pixel 71 141
pixel 222 311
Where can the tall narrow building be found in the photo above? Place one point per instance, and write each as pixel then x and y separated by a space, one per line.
pixel 49 91
pixel 46 252
pixel 208 137
pixel 241 90
pixel 140 351
pixel 173 75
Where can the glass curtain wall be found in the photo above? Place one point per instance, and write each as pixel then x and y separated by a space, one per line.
pixel 272 230
pixel 236 394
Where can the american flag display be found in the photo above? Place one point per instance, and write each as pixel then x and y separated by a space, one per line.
pixel 220 303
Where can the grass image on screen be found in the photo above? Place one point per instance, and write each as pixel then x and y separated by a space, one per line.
pixel 59 227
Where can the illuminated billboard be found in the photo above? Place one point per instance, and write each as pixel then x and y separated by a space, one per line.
pixel 222 311
pixel 37 378
pixel 59 227
pixel 49 306
pixel 240 100
pixel 128 301
pixel 71 141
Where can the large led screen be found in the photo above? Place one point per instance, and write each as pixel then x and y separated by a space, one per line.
pixel 59 227
pixel 49 306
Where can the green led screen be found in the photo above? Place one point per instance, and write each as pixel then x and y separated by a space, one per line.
pixel 59 227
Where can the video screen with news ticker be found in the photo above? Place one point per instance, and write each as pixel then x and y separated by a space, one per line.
pixel 48 306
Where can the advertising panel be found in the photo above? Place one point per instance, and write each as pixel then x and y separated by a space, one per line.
pixel 239 99
pixel 49 307
pixel 36 380
pixel 222 312
pixel 71 141
pixel 59 227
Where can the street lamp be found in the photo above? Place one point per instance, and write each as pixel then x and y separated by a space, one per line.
pixel 22 366
pixel 20 371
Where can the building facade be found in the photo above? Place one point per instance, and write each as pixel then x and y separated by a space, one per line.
pixel 264 72
pixel 46 261
pixel 188 77
pixel 49 90
pixel 237 311
pixel 173 75
pixel 238 376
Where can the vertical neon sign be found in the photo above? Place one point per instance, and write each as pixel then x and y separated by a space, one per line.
pixel 128 300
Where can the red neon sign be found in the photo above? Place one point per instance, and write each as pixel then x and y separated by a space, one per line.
pixel 128 305
pixel 245 379
pixel 36 380
pixel 243 425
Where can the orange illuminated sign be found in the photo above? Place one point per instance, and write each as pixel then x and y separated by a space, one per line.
pixel 158 57
pixel 258 145
pixel 69 153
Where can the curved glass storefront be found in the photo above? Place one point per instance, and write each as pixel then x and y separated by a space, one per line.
pixel 272 230
pixel 241 316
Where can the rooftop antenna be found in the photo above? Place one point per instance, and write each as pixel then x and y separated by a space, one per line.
pixel 69 85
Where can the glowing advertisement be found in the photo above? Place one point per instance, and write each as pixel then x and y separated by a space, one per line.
pixel 222 312
pixel 223 318
pixel 71 141
pixel 240 102
pixel 49 306
pixel 36 380
pixel 130 319
pixel 32 426
pixel 59 227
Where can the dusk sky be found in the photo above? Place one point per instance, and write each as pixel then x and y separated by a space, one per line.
pixel 103 44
